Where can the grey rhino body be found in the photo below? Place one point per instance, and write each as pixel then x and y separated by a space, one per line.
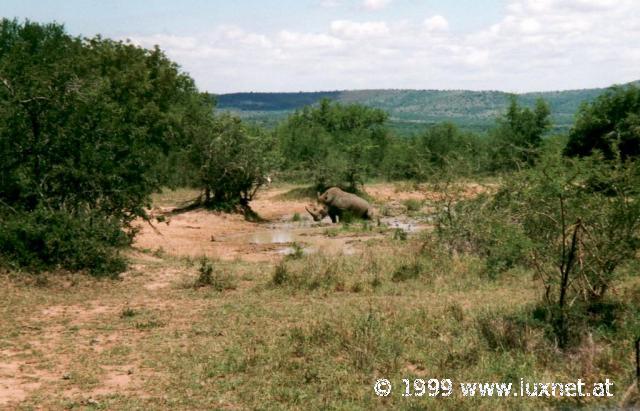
pixel 334 202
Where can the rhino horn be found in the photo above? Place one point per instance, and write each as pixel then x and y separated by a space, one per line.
pixel 314 215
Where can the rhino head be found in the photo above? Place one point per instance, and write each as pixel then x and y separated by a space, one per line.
pixel 327 197
pixel 318 211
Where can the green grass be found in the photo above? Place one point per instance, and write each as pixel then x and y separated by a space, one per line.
pixel 413 204
pixel 299 193
pixel 174 198
pixel 313 332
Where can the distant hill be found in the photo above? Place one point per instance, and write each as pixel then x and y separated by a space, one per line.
pixel 475 110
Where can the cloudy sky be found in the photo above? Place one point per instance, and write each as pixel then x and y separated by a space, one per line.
pixel 308 45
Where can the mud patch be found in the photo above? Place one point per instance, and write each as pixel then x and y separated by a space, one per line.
pixel 228 236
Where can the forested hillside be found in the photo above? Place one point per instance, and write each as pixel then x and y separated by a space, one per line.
pixel 474 110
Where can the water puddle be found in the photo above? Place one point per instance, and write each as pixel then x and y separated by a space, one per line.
pixel 406 224
pixel 289 237
pixel 272 237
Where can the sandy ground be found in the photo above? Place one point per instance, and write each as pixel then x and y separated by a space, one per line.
pixel 229 236
pixel 226 236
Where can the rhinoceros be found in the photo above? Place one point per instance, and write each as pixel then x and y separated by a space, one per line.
pixel 334 202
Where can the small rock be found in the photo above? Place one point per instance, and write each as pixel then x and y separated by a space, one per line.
pixel 66 376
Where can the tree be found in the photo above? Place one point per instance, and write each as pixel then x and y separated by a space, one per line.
pixel 444 148
pixel 333 143
pixel 518 134
pixel 235 161
pixel 609 124
pixel 86 126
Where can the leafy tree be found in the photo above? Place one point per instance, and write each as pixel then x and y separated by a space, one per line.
pixel 447 149
pixel 402 161
pixel 234 162
pixel 609 124
pixel 518 135
pixel 440 151
pixel 334 143
pixel 86 126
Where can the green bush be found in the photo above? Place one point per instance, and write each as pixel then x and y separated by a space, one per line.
pixel 413 204
pixel 581 234
pixel 517 136
pixel 209 276
pixel 89 129
pixel 609 124
pixel 233 160
pixel 333 144
pixel 483 227
pixel 45 240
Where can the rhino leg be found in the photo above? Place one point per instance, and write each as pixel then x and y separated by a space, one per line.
pixel 333 214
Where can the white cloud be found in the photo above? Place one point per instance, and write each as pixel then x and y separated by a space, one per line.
pixel 375 4
pixel 355 30
pixel 536 45
pixel 330 3
pixel 307 40
pixel 436 23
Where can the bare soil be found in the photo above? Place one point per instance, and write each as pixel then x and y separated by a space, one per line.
pixel 230 237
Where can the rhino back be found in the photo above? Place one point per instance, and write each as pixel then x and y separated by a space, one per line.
pixel 351 202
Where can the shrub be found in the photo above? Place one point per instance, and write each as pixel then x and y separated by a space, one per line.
pixel 413 204
pixel 210 277
pixel 281 274
pixel 580 235
pixel 233 161
pixel 333 143
pixel 482 226
pixel 518 134
pixel 44 240
pixel 407 271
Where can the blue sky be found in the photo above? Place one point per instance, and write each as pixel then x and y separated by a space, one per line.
pixel 289 45
pixel 145 17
